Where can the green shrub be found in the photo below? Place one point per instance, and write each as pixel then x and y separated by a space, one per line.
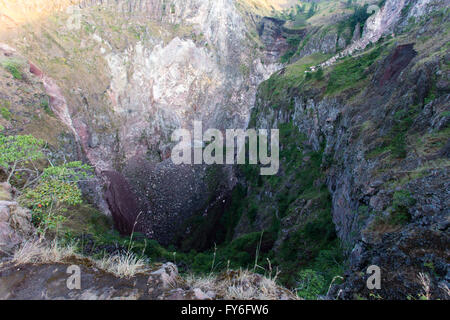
pixel 252 212
pixel 245 70
pixel 18 152
pixel 45 104
pixel 56 189
pixel 13 67
pixel 403 121
pixel 293 42
pixel 6 114
pixel 402 202
pixel 318 75
pixel 310 284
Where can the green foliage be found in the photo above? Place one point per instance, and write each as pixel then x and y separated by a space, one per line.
pixel 312 10
pixel 44 104
pixel 318 75
pixel 69 172
pixel 297 15
pixel 351 71
pixel 13 67
pixel 252 212
pixel 6 114
pixel 360 15
pixel 314 245
pixel 245 70
pixel 279 88
pixel 406 9
pixel 293 42
pixel 402 202
pixel 310 284
pixel 57 188
pixel 18 152
pixel 88 28
pixel 396 140
pixel 232 216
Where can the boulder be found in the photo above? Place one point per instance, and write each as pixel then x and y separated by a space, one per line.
pixel 162 283
pixel 15 221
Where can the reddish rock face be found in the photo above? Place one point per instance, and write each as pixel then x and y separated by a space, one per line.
pixel 122 203
pixel 399 60
pixel 35 70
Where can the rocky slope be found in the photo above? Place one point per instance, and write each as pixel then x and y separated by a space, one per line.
pixel 372 132
pixel 362 104
pixel 33 268
pixel 121 88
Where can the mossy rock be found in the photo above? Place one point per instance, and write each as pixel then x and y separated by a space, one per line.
pixel 84 219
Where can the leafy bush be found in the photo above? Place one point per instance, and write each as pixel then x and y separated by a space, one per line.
pixel 360 15
pixel 57 188
pixel 6 114
pixel 18 152
pixel 310 284
pixel 46 192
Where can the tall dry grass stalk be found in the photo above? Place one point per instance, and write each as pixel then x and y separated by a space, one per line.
pixel 241 285
pixel 39 252
pixel 123 265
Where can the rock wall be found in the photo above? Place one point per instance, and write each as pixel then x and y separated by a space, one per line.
pixel 396 106
pixel 123 75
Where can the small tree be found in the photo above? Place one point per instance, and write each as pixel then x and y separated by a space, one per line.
pixel 56 190
pixel 18 153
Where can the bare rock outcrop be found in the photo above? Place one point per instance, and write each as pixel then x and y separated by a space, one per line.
pixel 15 221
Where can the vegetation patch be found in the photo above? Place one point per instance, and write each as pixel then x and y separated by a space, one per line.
pixel 279 87
pixel 13 67
pixel 352 70
pixel 402 202
pixel 395 142
pixel 6 114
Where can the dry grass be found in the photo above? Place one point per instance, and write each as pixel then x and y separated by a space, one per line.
pixel 38 252
pixel 446 289
pixel 426 285
pixel 41 252
pixel 123 266
pixel 266 7
pixel 4 193
pixel 241 285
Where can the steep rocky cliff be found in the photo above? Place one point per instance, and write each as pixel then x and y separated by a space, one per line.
pixel 122 75
pixel 361 98
pixel 370 135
